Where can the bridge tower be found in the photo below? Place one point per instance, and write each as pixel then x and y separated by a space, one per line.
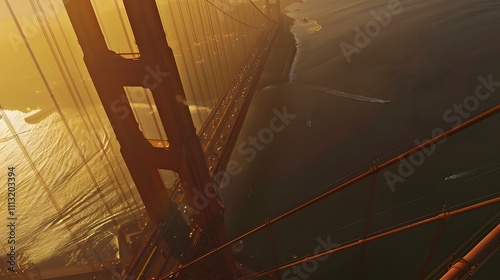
pixel 154 69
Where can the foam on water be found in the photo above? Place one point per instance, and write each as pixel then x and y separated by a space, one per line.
pixel 347 95
pixel 474 173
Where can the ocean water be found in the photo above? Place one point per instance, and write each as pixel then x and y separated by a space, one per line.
pixel 394 91
pixel 365 104
pixel 73 189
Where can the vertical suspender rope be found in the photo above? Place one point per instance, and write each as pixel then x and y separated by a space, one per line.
pixel 233 65
pixel 196 46
pixel 437 238
pixel 63 118
pixel 31 163
pixel 93 128
pixel 211 45
pixel 368 217
pixel 222 59
pixel 198 73
pixel 191 84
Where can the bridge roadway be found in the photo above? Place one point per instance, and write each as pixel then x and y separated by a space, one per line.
pixel 156 258
pixel 151 263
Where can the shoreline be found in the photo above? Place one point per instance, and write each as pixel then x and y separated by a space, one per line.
pixel 281 58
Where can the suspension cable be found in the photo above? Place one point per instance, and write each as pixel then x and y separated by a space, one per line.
pixel 212 48
pixel 434 245
pixel 466 245
pixel 479 265
pixel 230 26
pixel 439 217
pixel 391 153
pixel 191 84
pixel 260 11
pixel 63 118
pixel 350 182
pixel 222 11
pixel 87 114
pixel 377 214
